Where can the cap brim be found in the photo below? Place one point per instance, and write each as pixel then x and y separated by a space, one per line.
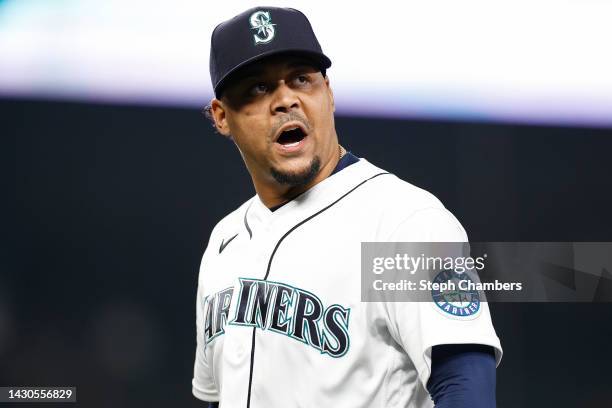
pixel 317 58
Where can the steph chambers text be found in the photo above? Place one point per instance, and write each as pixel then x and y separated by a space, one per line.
pixel 460 285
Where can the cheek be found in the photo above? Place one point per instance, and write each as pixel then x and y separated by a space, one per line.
pixel 324 118
pixel 249 131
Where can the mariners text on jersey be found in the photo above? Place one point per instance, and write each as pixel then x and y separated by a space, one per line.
pixel 282 309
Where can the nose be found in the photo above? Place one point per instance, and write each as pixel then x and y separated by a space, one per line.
pixel 285 99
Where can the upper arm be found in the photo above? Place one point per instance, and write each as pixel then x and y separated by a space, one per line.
pixel 203 383
pixel 419 326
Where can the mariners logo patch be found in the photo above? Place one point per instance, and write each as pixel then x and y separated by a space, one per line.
pixel 262 23
pixel 455 295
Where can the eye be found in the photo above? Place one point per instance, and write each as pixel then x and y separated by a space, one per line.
pixel 302 79
pixel 258 89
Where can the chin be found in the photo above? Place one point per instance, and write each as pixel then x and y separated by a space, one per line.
pixel 299 175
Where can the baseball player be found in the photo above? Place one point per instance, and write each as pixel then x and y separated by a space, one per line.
pixel 280 321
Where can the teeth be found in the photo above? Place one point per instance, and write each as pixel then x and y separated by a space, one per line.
pixel 291 144
pixel 290 129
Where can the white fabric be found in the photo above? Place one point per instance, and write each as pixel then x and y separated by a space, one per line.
pixel 387 360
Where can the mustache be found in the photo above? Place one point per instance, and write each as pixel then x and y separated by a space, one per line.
pixel 289 117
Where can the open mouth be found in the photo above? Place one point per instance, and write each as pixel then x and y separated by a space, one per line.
pixel 291 137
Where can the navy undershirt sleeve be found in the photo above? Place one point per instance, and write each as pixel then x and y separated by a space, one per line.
pixel 462 375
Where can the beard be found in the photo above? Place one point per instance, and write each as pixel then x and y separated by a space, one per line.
pixel 294 178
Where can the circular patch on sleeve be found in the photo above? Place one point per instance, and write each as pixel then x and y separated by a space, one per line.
pixel 455 295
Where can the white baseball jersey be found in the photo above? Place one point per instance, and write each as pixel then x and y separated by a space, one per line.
pixel 280 322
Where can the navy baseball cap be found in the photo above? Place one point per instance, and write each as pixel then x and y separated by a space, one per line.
pixel 258 33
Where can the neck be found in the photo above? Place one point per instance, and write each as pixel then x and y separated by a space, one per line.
pixel 273 194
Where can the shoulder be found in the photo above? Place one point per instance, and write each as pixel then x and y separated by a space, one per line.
pixel 405 198
pixel 232 222
pixel 388 191
pixel 410 213
pixel 225 231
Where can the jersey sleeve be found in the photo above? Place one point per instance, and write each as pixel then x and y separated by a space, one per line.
pixel 418 326
pixel 203 383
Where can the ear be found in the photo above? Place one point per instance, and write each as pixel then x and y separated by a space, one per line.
pixel 219 112
pixel 331 93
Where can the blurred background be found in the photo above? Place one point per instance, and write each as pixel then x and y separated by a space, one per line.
pixel 113 179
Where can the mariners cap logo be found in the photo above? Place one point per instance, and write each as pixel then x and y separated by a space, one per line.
pixel 262 23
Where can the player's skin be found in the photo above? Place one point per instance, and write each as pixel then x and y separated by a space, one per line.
pixel 267 98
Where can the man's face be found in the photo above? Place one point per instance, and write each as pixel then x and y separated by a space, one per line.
pixel 280 114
